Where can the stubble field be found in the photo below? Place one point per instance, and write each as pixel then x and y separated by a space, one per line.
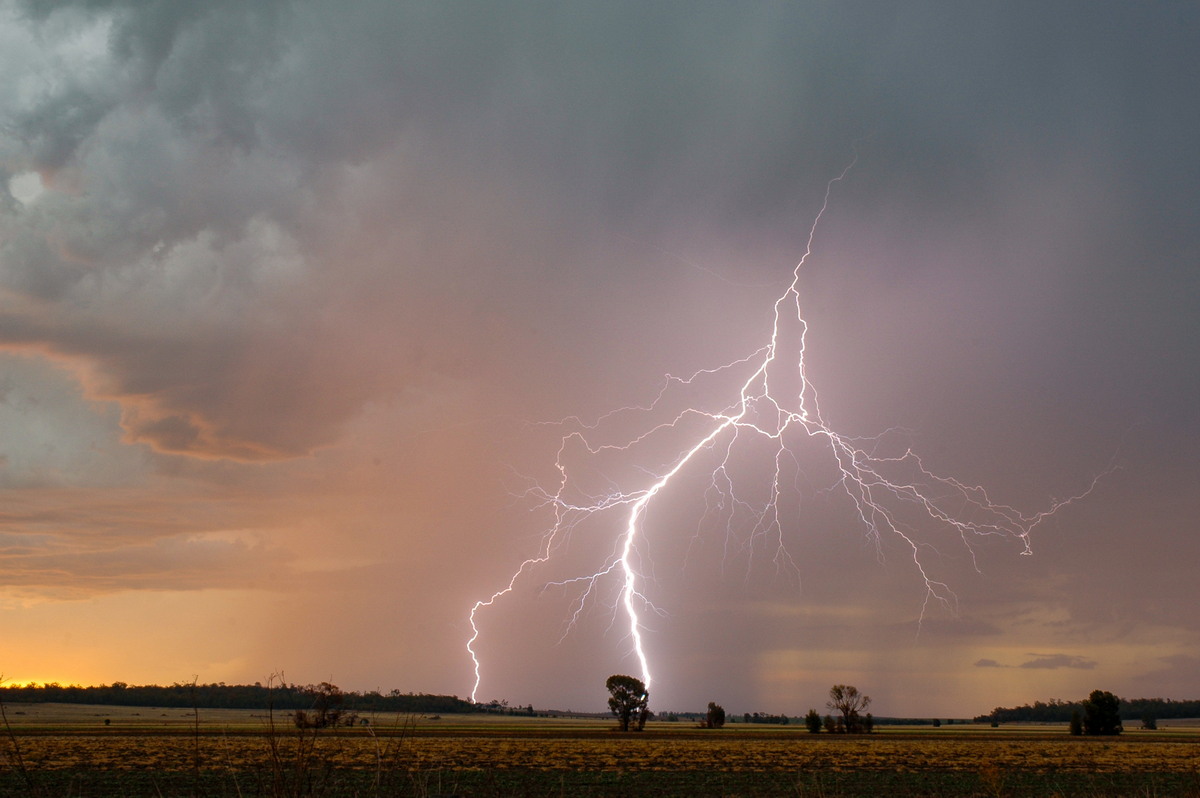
pixel 60 751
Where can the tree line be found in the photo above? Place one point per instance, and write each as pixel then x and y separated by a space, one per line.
pixel 629 701
pixel 230 696
pixel 1058 711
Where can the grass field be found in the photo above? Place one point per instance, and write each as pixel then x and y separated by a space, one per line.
pixel 66 750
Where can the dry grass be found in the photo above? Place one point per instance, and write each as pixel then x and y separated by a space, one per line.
pixel 509 756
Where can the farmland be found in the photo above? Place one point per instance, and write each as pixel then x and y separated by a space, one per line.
pixel 71 750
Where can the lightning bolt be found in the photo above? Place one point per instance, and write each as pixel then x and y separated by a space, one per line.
pixel 892 496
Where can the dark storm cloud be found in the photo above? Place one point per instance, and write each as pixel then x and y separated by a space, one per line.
pixel 198 63
pixel 212 117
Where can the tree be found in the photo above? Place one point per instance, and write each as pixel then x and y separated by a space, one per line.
pixel 1076 724
pixel 846 699
pixel 629 701
pixel 812 721
pixel 1102 713
pixel 715 718
pixel 326 709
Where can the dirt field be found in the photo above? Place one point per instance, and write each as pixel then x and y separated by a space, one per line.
pixel 70 750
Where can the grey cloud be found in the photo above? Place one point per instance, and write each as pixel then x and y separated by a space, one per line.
pixel 195 62
pixel 958 627
pixel 53 131
pixel 164 563
pixel 147 192
pixel 179 171
pixel 1044 661
pixel 1053 661
pixel 1169 676
pixel 208 391
pixel 208 119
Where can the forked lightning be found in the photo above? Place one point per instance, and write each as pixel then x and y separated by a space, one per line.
pixel 894 496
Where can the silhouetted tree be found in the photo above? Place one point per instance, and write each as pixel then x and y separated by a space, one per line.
pixel 1149 722
pixel 812 721
pixel 1076 724
pixel 326 707
pixel 715 718
pixel 628 700
pixel 846 699
pixel 830 724
pixel 1102 713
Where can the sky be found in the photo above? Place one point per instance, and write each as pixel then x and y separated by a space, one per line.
pixel 298 301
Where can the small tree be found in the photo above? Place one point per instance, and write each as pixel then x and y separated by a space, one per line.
pixel 326 709
pixel 812 721
pixel 1149 722
pixel 1076 725
pixel 846 699
pixel 1102 713
pixel 715 718
pixel 830 724
pixel 628 700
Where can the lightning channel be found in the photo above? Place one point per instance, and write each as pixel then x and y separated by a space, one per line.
pixel 771 400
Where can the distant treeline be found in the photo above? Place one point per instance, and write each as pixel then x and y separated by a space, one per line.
pixel 749 717
pixel 230 696
pixel 1058 711
pixel 784 720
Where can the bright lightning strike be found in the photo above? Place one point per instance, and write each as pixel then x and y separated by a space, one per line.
pixel 773 402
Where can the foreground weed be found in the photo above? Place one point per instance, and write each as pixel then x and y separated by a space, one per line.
pixel 992 778
pixel 16 756
pixel 813 786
